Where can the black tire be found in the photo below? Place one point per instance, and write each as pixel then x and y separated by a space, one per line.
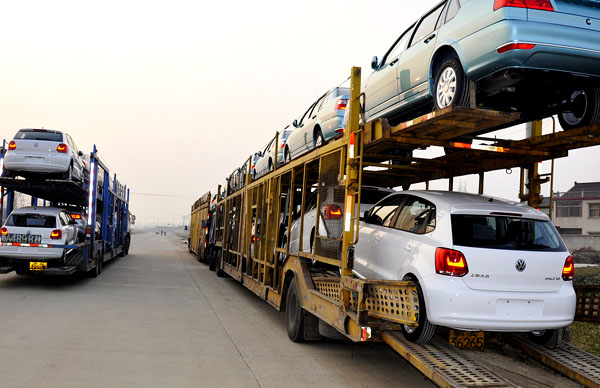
pixel 319 140
pixel 451 87
pixel 548 338
pixel 423 333
pixel 286 156
pixel 220 272
pixel 94 272
pixel 585 109
pixel 270 165
pixel 294 313
pixel 68 175
pixel 212 262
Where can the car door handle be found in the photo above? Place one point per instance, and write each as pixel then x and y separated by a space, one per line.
pixel 313 116
pixel 392 63
pixel 429 38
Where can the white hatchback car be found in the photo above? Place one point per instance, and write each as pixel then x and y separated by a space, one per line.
pixel 33 226
pixel 36 152
pixel 480 263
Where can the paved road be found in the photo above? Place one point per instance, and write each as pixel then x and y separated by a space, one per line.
pixel 158 318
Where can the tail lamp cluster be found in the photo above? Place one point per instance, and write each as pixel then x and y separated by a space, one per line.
pixel 3 231
pixel 56 234
pixel 341 104
pixel 450 262
pixel 332 212
pixel 544 5
pixel 568 272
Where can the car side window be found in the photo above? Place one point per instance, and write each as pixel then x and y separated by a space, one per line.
pixel 453 8
pixel 317 106
pixel 416 216
pixel 384 212
pixel 399 47
pixel 427 25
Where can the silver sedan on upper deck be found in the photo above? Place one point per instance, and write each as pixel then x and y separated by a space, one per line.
pixel 322 121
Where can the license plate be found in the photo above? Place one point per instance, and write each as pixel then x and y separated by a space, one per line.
pixel 37 266
pixel 467 339
pixel 22 238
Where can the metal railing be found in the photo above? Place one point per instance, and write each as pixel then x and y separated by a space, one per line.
pixel 574 195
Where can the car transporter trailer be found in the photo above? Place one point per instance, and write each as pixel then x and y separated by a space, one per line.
pixel 252 246
pixel 107 204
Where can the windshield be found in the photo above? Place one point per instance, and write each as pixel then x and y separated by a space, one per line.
pixel 499 232
pixel 32 220
pixel 38 134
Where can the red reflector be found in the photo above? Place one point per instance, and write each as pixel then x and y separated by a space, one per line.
pixel 450 262
pixel 515 46
pixel 568 269
pixel 332 212
pixel 341 104
pixel 56 234
pixel 62 148
pixel 12 145
pixel 544 5
pixel 16 244
pixel 4 230
pixel 340 130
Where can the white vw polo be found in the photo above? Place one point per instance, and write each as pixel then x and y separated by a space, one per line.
pixel 480 263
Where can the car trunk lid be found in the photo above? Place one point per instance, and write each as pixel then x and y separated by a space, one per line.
pixel 584 14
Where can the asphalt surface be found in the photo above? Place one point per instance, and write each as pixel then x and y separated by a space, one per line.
pixel 158 318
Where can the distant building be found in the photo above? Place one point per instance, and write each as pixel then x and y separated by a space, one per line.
pixel 577 211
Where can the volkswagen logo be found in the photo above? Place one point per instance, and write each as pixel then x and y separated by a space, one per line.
pixel 520 265
pixel 35 145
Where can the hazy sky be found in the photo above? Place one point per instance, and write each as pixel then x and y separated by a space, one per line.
pixel 177 94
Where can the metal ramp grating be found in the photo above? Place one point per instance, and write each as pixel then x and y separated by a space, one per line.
pixel 444 365
pixel 569 360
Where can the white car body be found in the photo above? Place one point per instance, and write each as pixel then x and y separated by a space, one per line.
pixel 494 295
pixel 38 221
pixel 37 151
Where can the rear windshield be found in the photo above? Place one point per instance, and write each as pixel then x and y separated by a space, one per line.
pixel 38 134
pixel 32 220
pixel 498 232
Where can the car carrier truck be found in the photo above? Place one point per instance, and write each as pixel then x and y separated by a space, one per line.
pixel 102 199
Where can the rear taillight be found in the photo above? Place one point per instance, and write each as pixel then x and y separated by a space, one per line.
pixel 568 269
pixel 12 145
pixel 332 212
pixel 515 46
pixel 341 104
pixel 56 234
pixel 544 5
pixel 62 147
pixel 76 216
pixel 450 262
pixel 340 130
pixel 3 231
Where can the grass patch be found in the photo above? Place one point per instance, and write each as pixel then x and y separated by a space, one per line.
pixel 586 336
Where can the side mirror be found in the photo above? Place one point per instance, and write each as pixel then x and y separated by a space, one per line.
pixel 295 123
pixel 374 63
pixel 80 153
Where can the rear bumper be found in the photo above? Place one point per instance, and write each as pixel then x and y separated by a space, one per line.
pixel 558 47
pixel 31 253
pixel 24 162
pixel 451 303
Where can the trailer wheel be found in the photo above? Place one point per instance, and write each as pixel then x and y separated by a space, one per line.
pixel 294 313
pixel 548 338
pixel 423 333
pixel 220 272
pixel 585 109
pixel 212 265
